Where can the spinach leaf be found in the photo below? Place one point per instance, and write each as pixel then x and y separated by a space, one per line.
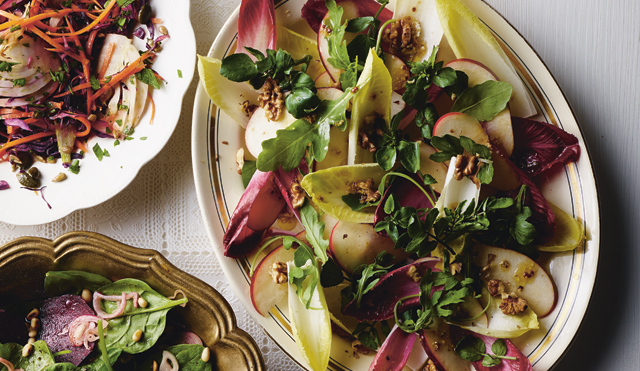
pixel 188 356
pixel 39 360
pixel 151 320
pixel 57 283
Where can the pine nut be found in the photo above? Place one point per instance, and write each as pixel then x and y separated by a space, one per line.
pixel 86 295
pixel 27 350
pixel 137 335
pixel 33 332
pixel 206 354
pixel 33 314
pixel 142 302
pixel 35 323
pixel 31 340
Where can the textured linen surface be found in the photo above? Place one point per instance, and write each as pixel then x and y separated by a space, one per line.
pixel 159 209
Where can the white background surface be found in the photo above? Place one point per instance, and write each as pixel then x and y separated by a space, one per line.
pixel 592 47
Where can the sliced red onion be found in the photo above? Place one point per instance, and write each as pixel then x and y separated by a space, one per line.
pixel 17 123
pixel 8 364
pixel 83 330
pixel 394 352
pixel 166 358
pixel 4 185
pixel 187 337
pixel 97 297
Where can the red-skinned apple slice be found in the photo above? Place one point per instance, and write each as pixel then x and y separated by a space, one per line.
pixel 436 341
pixel 427 166
pixel 499 128
pixel 460 124
pixel 260 128
pixel 519 274
pixel 265 292
pixel 325 81
pixel 353 244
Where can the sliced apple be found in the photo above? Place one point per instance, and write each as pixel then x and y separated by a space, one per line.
pixel 436 169
pixel 424 13
pixel 470 38
pixel 460 124
pixel 265 292
pixel 260 128
pixel 398 70
pixel 498 129
pixel 325 81
pixel 350 11
pixel 437 342
pixel 519 274
pixel 353 244
pixel 397 104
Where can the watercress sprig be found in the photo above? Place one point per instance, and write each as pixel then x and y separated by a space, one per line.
pixel 392 146
pixel 279 66
pixel 366 276
pixel 473 349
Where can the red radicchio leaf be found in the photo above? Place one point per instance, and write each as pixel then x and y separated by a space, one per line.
pixel 257 209
pixel 256 26
pixel 542 216
pixel 285 179
pixel 394 352
pixel 538 146
pixel 314 11
pixel 520 364
pixel 378 303
pixel 405 193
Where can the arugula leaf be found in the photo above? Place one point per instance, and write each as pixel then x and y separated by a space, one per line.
pixel 315 230
pixel 366 276
pixel 338 53
pixel 349 78
pixel 484 101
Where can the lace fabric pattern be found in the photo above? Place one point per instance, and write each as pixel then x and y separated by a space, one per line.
pixel 159 209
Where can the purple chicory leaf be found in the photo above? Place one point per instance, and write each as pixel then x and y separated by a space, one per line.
pixel 17 123
pixel 538 146
pixel 258 208
pixel 4 185
pixel 378 303
pixel 313 11
pixel 542 216
pixel 521 363
pixel 394 352
pixel 405 193
pixel 256 26
pixel 285 179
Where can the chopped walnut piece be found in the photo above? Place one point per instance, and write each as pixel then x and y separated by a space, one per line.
pixel 297 195
pixel 279 272
pixel 401 37
pixel 368 137
pixel 455 268
pixel 240 160
pixel 366 190
pixel 528 273
pixel 430 366
pixel 248 108
pixel 366 142
pixel 271 99
pixel 495 287
pixel 358 348
pixel 490 258
pixel 466 165
pixel 512 304
pixel 412 273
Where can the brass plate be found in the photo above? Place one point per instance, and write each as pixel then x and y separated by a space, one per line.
pixel 24 262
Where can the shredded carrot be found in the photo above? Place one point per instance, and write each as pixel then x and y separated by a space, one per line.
pixel 81 145
pixel 132 68
pixel 87 126
pixel 95 22
pixel 153 107
pixel 24 22
pixel 46 38
pixel 156 20
pixel 17 115
pixel 92 38
pixel 74 89
pixel 28 139
pixel 107 60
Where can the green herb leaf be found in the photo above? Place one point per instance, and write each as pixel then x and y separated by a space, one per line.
pixel 7 66
pixel 180 73
pixel 484 101
pixel 489 361
pixel 95 83
pixel 357 25
pixel 471 348
pixel 499 347
pixel 409 155
pixel 98 152
pixel 75 167
pixel 331 274
pixel 238 67
pixel 148 77
pixel 301 102
pixel 338 53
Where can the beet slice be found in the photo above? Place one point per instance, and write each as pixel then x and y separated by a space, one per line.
pixel 55 315
pixel 12 328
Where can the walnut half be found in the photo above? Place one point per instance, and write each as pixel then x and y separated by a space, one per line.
pixel 366 190
pixel 271 99
pixel 278 272
pixel 511 304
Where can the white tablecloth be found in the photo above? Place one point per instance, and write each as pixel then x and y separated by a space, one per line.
pixel 591 46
